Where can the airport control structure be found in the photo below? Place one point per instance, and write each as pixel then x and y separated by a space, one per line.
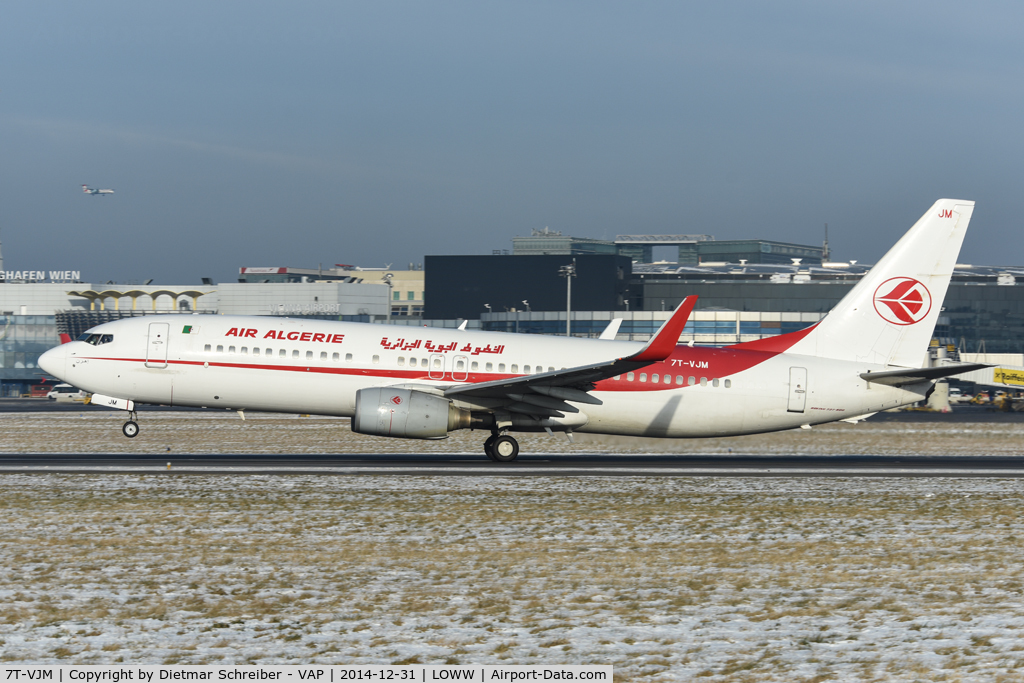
pixel 747 289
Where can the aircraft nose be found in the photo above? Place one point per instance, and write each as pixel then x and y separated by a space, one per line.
pixel 53 361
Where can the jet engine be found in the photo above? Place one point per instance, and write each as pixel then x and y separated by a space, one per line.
pixel 404 413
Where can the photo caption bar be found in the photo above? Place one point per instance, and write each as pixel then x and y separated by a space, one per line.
pixel 313 674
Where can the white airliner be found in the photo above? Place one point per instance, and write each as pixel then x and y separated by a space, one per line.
pixel 88 190
pixel 422 383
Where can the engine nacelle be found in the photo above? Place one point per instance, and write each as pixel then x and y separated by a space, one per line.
pixel 408 414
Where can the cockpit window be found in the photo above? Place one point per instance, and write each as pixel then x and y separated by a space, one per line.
pixel 95 339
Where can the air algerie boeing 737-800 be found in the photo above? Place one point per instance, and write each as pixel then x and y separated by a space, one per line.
pixel 422 383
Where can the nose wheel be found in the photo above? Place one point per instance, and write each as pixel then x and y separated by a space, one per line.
pixel 131 427
pixel 501 448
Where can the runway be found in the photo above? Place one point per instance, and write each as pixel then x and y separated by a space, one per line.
pixel 529 465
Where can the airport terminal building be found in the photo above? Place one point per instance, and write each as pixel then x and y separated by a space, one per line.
pixel 738 301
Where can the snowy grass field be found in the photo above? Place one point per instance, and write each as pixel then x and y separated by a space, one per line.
pixel 667 579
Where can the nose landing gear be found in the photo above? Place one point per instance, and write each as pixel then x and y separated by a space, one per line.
pixel 501 448
pixel 131 427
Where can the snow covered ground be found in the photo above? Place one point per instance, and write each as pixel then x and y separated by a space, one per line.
pixel 667 579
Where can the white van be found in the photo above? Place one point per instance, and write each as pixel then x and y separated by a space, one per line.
pixel 66 392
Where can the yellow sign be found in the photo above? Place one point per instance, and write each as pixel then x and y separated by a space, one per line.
pixel 1007 376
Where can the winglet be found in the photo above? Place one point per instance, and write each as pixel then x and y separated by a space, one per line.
pixel 612 329
pixel 664 342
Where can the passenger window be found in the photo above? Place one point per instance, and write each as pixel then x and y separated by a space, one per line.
pixel 703 381
pixel 629 376
pixel 515 368
pixel 245 350
pixel 323 355
pixel 348 357
pixel 207 348
pixel 714 382
pixel 526 369
pixel 412 362
pixel 437 363
pixel 692 380
pixel 550 369
pixel 401 361
pixel 309 355
pixel 654 379
pixel 268 352
pixel 295 353
pixel 376 359
pixel 335 357
pixel 460 364
pixel 220 349
pixel 643 376
pixel 282 354
pixel 728 384
pixel 489 367
pixel 501 367
pixel 679 380
pixel 474 366
pixel 617 377
pixel 231 349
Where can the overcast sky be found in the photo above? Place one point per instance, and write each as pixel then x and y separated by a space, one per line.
pixel 297 133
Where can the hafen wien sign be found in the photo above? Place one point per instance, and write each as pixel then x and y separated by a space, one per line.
pixel 43 275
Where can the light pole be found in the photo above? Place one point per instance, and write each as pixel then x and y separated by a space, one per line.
pixel 568 272
pixel 527 304
pixel 387 280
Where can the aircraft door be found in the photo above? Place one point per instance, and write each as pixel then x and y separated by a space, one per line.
pixel 460 368
pixel 797 389
pixel 436 370
pixel 156 348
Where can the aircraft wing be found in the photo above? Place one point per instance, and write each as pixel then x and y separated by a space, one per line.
pixel 914 375
pixel 545 393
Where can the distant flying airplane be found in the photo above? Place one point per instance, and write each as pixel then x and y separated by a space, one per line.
pixel 88 190
pixel 422 383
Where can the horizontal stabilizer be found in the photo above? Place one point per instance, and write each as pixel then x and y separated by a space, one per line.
pixel 896 378
pixel 858 418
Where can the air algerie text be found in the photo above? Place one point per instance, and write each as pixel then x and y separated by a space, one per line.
pixel 291 336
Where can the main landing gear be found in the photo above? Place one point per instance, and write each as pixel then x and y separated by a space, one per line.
pixel 131 427
pixel 501 448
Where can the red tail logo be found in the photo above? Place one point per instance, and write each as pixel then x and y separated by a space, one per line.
pixel 903 301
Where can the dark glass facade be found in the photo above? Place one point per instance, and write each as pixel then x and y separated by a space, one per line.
pixel 459 286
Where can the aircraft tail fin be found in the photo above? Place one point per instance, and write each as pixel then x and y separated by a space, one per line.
pixel 890 316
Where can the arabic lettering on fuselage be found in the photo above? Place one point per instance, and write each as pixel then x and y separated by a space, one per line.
pixel 403 345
